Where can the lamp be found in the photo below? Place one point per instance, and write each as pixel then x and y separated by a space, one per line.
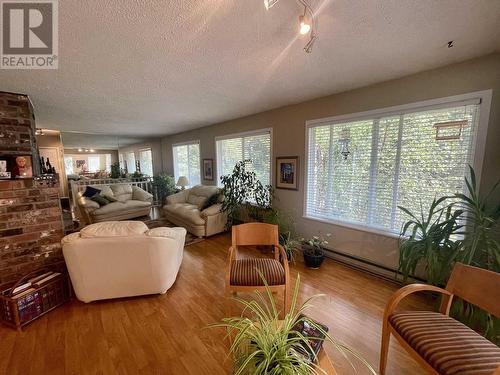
pixel 182 182
pixel 270 3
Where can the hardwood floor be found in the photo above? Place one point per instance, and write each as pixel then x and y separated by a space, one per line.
pixel 165 334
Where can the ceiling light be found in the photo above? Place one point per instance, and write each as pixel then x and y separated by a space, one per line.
pixel 270 3
pixel 91 150
pixel 305 26
pixel 80 150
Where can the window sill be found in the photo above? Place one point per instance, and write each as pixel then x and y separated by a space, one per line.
pixel 359 227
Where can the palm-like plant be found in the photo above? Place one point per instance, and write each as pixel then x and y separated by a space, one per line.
pixel 480 248
pixel 430 238
pixel 262 344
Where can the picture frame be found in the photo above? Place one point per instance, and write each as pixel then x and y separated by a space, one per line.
pixel 208 169
pixel 287 172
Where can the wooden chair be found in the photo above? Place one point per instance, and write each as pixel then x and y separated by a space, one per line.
pixel 242 274
pixel 440 344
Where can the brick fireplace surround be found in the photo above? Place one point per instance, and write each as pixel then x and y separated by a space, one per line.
pixel 30 212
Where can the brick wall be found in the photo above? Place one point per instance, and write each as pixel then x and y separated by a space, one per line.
pixel 17 128
pixel 30 211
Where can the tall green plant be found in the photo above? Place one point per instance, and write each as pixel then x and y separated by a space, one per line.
pixel 115 170
pixel 479 248
pixel 481 217
pixel 242 189
pixel 262 344
pixel 164 185
pixel 430 238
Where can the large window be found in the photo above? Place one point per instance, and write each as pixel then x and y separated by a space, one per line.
pixel 130 162
pixel 187 162
pixel 94 163
pixel 360 169
pixel 146 162
pixel 254 146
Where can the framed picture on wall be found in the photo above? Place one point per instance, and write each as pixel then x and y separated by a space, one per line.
pixel 287 172
pixel 208 169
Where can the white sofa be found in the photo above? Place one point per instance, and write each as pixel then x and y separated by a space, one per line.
pixel 122 259
pixel 132 201
pixel 186 210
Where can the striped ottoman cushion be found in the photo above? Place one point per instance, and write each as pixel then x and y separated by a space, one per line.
pixel 245 272
pixel 446 344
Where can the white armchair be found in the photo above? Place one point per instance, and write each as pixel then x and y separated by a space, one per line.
pixel 122 259
pixel 186 209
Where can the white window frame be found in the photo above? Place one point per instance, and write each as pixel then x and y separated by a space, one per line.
pixel 483 98
pixel 247 134
pixel 187 143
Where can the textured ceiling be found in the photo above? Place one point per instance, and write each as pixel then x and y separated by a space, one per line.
pixel 154 67
pixel 75 140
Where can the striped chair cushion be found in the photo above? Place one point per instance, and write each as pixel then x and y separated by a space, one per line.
pixel 450 347
pixel 245 272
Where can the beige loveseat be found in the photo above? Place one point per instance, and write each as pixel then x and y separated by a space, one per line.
pixel 122 259
pixel 185 209
pixel 131 202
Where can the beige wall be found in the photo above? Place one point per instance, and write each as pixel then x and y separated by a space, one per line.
pixel 288 125
pixel 156 150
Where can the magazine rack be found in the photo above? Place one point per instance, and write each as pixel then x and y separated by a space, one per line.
pixel 19 310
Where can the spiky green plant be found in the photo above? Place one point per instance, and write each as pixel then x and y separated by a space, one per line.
pixel 479 248
pixel 264 344
pixel 430 238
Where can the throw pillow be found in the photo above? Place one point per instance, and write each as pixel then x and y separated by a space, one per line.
pixel 90 192
pixel 213 199
pixel 100 199
pixel 110 198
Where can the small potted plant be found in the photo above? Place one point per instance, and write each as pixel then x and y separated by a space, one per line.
pixel 262 344
pixel 290 245
pixel 313 250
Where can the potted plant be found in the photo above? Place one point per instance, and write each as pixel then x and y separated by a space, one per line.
pixel 313 250
pixel 264 344
pixel 164 186
pixel 287 232
pixel 290 245
pixel 245 197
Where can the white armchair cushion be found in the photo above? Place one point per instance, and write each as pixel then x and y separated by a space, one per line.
pixel 114 229
pixel 122 192
pixel 179 197
pixel 141 194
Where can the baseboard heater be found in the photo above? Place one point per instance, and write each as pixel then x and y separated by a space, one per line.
pixel 368 266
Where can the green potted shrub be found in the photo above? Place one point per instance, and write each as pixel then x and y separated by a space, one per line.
pixel 262 344
pixel 115 170
pixel 164 186
pixel 313 250
pixel 245 197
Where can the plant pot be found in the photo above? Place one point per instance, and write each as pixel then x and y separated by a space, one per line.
pixel 311 259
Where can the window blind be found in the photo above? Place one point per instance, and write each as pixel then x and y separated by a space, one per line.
pixel 130 162
pixel 187 162
pixel 255 146
pixel 146 162
pixel 402 159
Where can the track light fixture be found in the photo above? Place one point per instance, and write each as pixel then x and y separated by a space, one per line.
pixel 307 22
pixel 270 3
